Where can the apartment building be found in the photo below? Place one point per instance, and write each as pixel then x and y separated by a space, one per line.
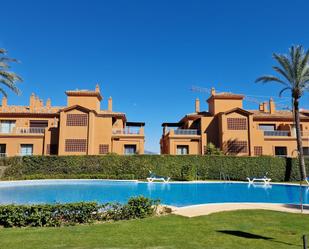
pixel 80 128
pixel 236 131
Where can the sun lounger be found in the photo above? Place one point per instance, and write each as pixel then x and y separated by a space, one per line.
pixel 153 177
pixel 264 179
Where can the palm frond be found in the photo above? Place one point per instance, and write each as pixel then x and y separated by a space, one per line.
pixel 285 63
pixel 269 78
pixel 11 85
pixel 10 75
pixel 283 90
pixel 3 92
pixel 283 73
pixel 7 78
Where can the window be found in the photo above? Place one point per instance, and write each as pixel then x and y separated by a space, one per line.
pixel 235 147
pixel 306 151
pixel 237 124
pixel 182 150
pixel 7 126
pixel 77 120
pixel 258 150
pixel 281 151
pixel 103 148
pixel 26 149
pixel 267 127
pixel 75 145
pixel 39 123
pixel 130 149
pixel 2 150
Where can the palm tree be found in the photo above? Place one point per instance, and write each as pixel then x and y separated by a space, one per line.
pixel 7 78
pixel 294 77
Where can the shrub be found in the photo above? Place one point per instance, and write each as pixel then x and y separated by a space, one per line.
pixel 189 167
pixel 52 215
pixel 140 207
pixel 47 215
pixel 212 150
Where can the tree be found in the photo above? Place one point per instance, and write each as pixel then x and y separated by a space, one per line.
pixel 212 150
pixel 293 71
pixel 8 78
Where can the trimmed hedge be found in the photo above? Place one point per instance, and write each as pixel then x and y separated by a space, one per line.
pixel 52 215
pixel 138 166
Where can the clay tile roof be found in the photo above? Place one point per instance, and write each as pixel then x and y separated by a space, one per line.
pixel 84 93
pixel 284 114
pixel 225 95
pixel 26 109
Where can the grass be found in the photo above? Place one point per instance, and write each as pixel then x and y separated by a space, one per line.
pixel 238 229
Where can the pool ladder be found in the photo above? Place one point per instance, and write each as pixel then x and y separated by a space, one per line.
pixel 224 177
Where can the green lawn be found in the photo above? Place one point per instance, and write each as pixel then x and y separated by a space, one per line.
pixel 238 229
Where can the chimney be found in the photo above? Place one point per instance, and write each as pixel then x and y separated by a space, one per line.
pixel 48 103
pixel 32 101
pixel 261 107
pixel 272 107
pixel 97 88
pixel 265 109
pixel 213 91
pixel 4 102
pixel 110 104
pixel 37 102
pixel 197 105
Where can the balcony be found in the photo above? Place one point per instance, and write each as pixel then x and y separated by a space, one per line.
pixel 23 130
pixel 128 131
pixel 183 132
pixel 186 132
pixel 277 133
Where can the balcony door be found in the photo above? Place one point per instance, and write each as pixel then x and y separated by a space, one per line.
pixel 7 126
pixel 26 149
pixel 281 151
pixel 2 150
pixel 130 149
pixel 182 150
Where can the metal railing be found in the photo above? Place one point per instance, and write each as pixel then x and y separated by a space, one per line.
pixel 23 130
pixel 29 130
pixel 3 155
pixel 277 133
pixel 127 130
pixel 186 132
pixel 305 134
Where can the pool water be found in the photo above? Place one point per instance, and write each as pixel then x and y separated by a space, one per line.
pixel 177 193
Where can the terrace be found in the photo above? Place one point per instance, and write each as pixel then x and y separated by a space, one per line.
pixel 131 128
pixel 22 131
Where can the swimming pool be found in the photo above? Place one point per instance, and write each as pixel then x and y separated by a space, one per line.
pixel 177 194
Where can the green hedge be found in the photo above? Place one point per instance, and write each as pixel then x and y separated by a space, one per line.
pixel 137 167
pixel 52 215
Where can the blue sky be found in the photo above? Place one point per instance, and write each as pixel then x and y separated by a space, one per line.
pixel 147 54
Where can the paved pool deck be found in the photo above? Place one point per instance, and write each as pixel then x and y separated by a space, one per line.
pixel 205 209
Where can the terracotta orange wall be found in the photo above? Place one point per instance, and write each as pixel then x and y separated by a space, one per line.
pixel 222 105
pixel 13 144
pixel 89 102
pixel 118 145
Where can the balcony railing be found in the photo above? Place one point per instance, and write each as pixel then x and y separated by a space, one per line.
pixel 277 133
pixel 186 132
pixel 3 155
pixel 23 130
pixel 127 131
pixel 180 131
pixel 305 134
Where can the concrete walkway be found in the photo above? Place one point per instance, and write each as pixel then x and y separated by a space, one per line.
pixel 205 209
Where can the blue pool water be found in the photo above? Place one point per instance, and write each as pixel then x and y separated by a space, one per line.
pixel 176 194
